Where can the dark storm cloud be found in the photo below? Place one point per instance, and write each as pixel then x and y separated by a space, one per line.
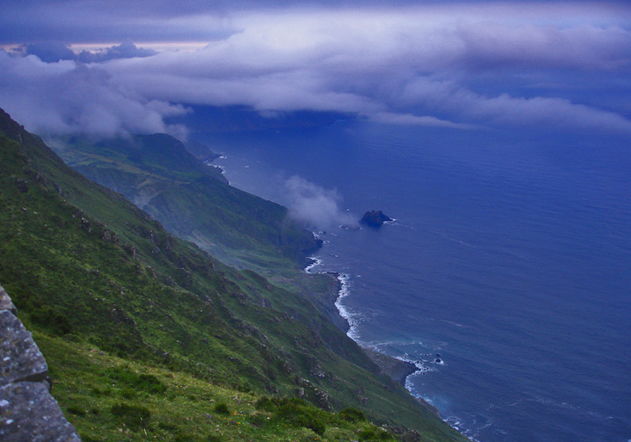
pixel 124 50
pixel 51 52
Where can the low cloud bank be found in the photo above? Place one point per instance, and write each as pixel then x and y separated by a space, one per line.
pixel 452 66
pixel 315 206
pixel 68 97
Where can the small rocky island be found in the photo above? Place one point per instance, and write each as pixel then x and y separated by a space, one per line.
pixel 374 218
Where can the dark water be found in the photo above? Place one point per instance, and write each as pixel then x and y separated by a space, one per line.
pixel 510 257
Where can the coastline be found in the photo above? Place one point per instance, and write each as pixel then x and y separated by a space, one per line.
pixel 397 369
pixel 394 367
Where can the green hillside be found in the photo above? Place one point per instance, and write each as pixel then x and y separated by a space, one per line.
pixel 148 337
pixel 191 199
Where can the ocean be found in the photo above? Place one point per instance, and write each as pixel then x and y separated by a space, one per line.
pixel 506 275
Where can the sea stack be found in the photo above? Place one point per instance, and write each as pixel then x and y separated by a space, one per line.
pixel 374 218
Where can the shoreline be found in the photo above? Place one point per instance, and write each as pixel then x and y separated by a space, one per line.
pixel 398 369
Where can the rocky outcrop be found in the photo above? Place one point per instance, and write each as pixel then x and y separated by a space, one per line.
pixel 6 303
pixel 28 412
pixel 395 368
pixel 374 218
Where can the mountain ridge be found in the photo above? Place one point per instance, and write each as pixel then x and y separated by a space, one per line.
pixel 191 199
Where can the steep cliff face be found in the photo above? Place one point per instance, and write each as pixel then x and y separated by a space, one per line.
pixel 28 412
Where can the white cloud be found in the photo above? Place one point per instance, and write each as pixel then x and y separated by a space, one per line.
pixel 415 120
pixel 66 97
pixel 429 65
pixel 314 205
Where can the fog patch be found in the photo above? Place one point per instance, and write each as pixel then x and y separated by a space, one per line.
pixel 314 205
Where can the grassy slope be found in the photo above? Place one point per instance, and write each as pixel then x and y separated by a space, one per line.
pixel 191 199
pixel 105 279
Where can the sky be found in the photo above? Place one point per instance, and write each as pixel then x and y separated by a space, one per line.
pixel 482 65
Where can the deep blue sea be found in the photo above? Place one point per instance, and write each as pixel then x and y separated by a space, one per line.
pixel 510 257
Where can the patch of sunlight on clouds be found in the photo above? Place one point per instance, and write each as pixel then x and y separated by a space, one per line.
pixel 164 46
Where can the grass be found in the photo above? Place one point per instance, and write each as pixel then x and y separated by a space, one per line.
pixel 191 199
pixel 93 388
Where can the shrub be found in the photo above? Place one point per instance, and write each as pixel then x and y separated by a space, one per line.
pixel 167 426
pixel 310 422
pixel 258 420
pixel 133 416
pixel 352 415
pixel 370 434
pixel 138 382
pixel 297 413
pixel 266 404
pixel 222 408
pixel 52 320
pixel 151 384
pixel 73 409
pixel 128 393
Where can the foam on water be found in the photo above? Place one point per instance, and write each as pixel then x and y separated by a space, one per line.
pixel 352 319
pixel 317 262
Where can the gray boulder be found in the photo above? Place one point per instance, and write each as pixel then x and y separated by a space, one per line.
pixel 28 412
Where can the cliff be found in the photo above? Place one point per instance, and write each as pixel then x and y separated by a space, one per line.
pixel 146 334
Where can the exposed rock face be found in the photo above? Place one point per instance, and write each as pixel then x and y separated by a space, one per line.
pixel 395 368
pixel 29 413
pixel 21 360
pixel 5 302
pixel 374 218
pixel 27 410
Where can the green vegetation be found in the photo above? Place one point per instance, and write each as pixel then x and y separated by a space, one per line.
pixel 145 334
pixel 188 409
pixel 191 199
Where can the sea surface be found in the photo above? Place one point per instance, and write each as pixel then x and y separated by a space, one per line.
pixel 509 257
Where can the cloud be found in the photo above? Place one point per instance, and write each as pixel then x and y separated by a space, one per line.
pixel 314 205
pixel 67 97
pixel 51 52
pixel 90 21
pixel 414 120
pixel 400 67
pixel 126 49
pixel 447 97
pixel 449 65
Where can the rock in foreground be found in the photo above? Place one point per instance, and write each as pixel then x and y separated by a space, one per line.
pixel 27 410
